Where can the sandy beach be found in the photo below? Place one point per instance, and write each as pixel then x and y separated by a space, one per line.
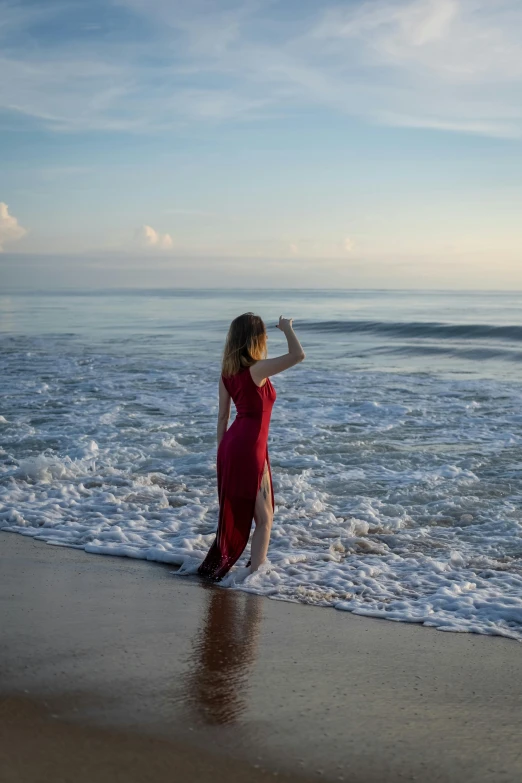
pixel 116 669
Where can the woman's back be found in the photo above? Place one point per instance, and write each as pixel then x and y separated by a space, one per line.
pixel 251 401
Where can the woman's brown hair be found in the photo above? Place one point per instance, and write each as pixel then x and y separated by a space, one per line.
pixel 245 343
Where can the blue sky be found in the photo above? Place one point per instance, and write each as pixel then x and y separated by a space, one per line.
pixel 363 143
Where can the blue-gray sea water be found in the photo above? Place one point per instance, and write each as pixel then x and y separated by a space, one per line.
pixel 396 447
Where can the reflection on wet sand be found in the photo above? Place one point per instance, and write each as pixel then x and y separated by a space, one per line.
pixel 223 654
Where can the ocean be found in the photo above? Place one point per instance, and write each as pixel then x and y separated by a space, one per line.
pixel 396 447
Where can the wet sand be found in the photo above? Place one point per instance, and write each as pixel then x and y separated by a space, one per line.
pixel 115 669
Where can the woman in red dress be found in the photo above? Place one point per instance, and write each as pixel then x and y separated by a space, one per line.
pixel 243 466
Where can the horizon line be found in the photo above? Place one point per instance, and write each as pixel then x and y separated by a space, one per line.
pixel 229 289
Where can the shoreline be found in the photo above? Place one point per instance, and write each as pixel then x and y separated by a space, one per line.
pixel 221 683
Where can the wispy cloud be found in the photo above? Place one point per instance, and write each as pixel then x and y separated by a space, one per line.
pixel 456 40
pixel 150 65
pixel 10 228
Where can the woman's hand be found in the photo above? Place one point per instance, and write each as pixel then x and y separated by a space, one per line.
pixel 284 323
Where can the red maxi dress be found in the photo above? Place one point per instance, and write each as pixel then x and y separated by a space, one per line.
pixel 241 459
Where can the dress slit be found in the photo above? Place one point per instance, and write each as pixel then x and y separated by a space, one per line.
pixel 266 469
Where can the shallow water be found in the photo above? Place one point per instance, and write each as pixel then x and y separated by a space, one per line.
pixel 396 447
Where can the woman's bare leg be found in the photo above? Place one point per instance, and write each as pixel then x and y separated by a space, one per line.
pixel 263 516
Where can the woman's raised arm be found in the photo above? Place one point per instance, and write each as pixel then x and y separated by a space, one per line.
pixel 266 367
